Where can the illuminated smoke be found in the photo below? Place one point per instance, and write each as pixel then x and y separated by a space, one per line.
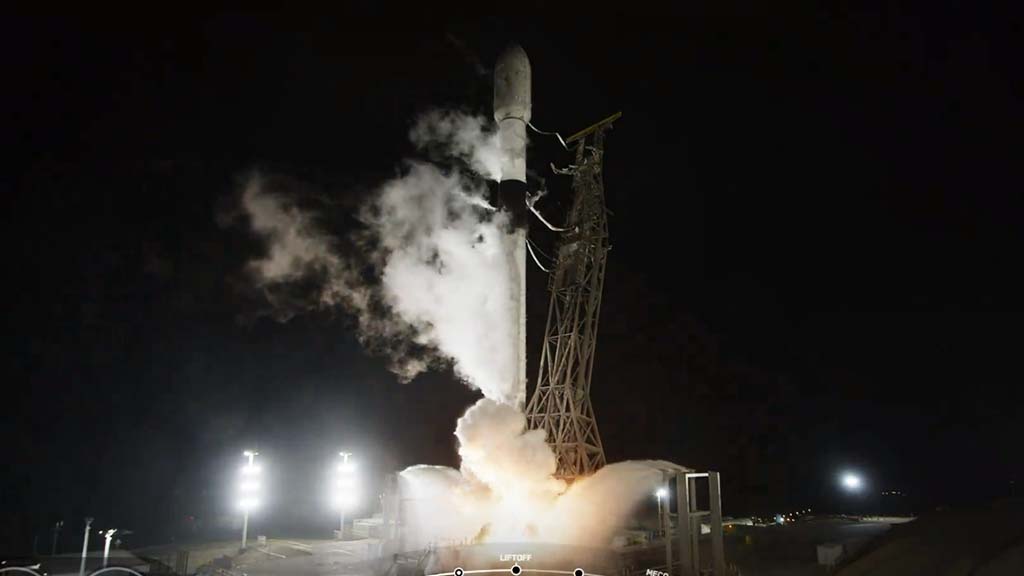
pixel 443 279
pixel 468 138
pixel 497 450
pixel 446 507
pixel 440 282
pixel 447 275
pixel 299 252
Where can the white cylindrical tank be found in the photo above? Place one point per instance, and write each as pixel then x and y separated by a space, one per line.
pixel 512 108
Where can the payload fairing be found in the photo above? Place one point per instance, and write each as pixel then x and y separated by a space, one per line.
pixel 512 108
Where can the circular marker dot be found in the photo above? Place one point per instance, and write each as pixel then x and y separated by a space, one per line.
pixel 459 572
pixel 577 572
pixel 516 569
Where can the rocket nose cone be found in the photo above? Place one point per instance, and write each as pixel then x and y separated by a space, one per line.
pixel 514 55
pixel 512 84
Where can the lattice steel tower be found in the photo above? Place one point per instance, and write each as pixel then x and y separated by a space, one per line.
pixel 560 404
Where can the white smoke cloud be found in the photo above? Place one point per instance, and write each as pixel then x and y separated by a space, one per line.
pixel 295 246
pixel 299 251
pixel 469 138
pixel 447 273
pixel 438 247
pixel 498 450
pixel 505 491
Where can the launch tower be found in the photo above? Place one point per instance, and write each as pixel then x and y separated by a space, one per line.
pixel 560 404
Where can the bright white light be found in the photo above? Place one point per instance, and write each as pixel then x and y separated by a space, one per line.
pixel 249 486
pixel 345 500
pixel 344 485
pixel 851 481
pixel 661 493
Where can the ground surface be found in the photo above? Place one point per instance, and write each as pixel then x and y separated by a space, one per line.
pixel 787 550
pixel 756 551
pixel 982 541
pixel 986 542
pixel 298 556
pixel 307 557
pixel 791 550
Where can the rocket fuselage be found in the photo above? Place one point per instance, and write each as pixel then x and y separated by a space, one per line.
pixel 512 110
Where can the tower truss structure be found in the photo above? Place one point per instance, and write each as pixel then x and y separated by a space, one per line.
pixel 560 404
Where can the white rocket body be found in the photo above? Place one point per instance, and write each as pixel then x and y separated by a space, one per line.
pixel 512 108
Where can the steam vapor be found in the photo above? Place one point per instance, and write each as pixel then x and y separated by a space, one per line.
pixel 440 282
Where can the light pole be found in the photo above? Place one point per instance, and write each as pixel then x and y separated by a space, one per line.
pixel 85 547
pixel 345 490
pixel 660 494
pixel 106 545
pixel 56 534
pixel 249 488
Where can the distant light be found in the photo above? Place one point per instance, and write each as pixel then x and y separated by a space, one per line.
pixel 851 481
pixel 250 470
pixel 247 504
pixel 661 493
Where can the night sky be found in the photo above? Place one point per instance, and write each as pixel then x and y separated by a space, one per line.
pixel 815 225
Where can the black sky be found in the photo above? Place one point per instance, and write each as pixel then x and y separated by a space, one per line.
pixel 816 230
